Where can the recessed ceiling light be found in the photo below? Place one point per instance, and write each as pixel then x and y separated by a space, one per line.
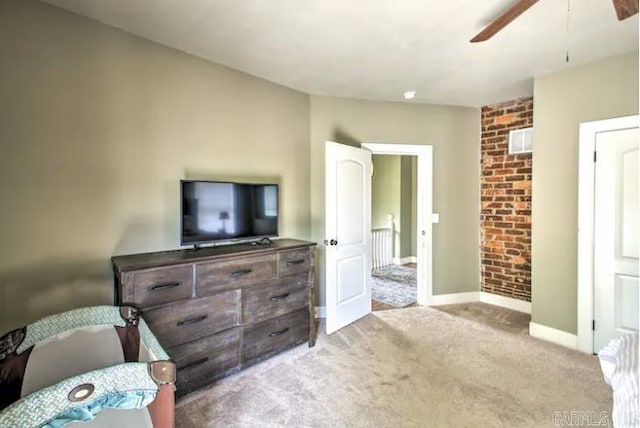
pixel 409 95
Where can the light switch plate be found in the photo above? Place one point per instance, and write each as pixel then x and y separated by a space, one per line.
pixel 435 218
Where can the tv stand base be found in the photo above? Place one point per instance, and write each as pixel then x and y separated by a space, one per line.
pixel 263 241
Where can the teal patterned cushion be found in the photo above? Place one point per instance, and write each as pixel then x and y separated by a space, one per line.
pixel 76 318
pixel 123 386
pixel 87 412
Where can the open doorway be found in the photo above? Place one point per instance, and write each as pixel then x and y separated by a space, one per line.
pixel 394 232
pixel 348 172
pixel 406 260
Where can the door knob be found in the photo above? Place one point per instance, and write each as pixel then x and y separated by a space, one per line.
pixel 333 242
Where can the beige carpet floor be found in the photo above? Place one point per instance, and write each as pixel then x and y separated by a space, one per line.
pixel 490 315
pixel 414 367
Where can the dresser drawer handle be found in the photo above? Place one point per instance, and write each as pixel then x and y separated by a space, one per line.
pixel 164 286
pixel 296 262
pixel 241 272
pixel 279 333
pixel 191 321
pixel 194 364
pixel 279 297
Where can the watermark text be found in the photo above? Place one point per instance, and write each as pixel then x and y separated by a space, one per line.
pixel 581 418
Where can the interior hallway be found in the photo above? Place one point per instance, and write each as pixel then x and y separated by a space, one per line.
pixel 381 306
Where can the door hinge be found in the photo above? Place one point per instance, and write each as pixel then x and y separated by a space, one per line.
pixel 593 325
pixel 595 156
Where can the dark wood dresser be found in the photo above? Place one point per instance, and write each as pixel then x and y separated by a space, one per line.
pixel 218 310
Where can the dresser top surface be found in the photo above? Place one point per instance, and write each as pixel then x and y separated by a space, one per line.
pixel 166 258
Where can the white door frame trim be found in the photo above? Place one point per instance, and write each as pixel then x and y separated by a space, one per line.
pixel 424 207
pixel 586 198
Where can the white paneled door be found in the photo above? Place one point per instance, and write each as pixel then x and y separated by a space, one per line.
pixel 616 233
pixel 348 234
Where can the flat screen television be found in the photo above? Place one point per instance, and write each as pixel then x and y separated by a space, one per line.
pixel 214 211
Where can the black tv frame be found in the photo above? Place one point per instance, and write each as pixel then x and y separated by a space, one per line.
pixel 252 239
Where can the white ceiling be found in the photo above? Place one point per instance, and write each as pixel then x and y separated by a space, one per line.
pixel 377 49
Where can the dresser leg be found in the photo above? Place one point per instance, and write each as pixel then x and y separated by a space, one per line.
pixel 312 329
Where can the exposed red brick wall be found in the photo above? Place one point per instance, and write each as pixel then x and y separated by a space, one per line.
pixel 505 215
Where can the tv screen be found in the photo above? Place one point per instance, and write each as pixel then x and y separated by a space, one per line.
pixel 223 211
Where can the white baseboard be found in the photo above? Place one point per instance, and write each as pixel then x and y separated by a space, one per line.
pixel 481 296
pixel 553 335
pixel 450 299
pixel 321 311
pixel 506 302
pixel 404 260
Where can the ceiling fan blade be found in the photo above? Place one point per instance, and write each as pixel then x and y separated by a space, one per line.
pixel 503 20
pixel 625 8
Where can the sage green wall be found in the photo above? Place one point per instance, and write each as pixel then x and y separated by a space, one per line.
pixel 385 190
pixel 407 226
pixel 386 196
pixel 600 90
pixel 454 133
pixel 97 127
pixel 392 192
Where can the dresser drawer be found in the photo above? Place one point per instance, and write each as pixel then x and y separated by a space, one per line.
pixel 157 286
pixel 205 360
pixel 185 321
pixel 264 339
pixel 215 277
pixel 294 261
pixel 263 302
